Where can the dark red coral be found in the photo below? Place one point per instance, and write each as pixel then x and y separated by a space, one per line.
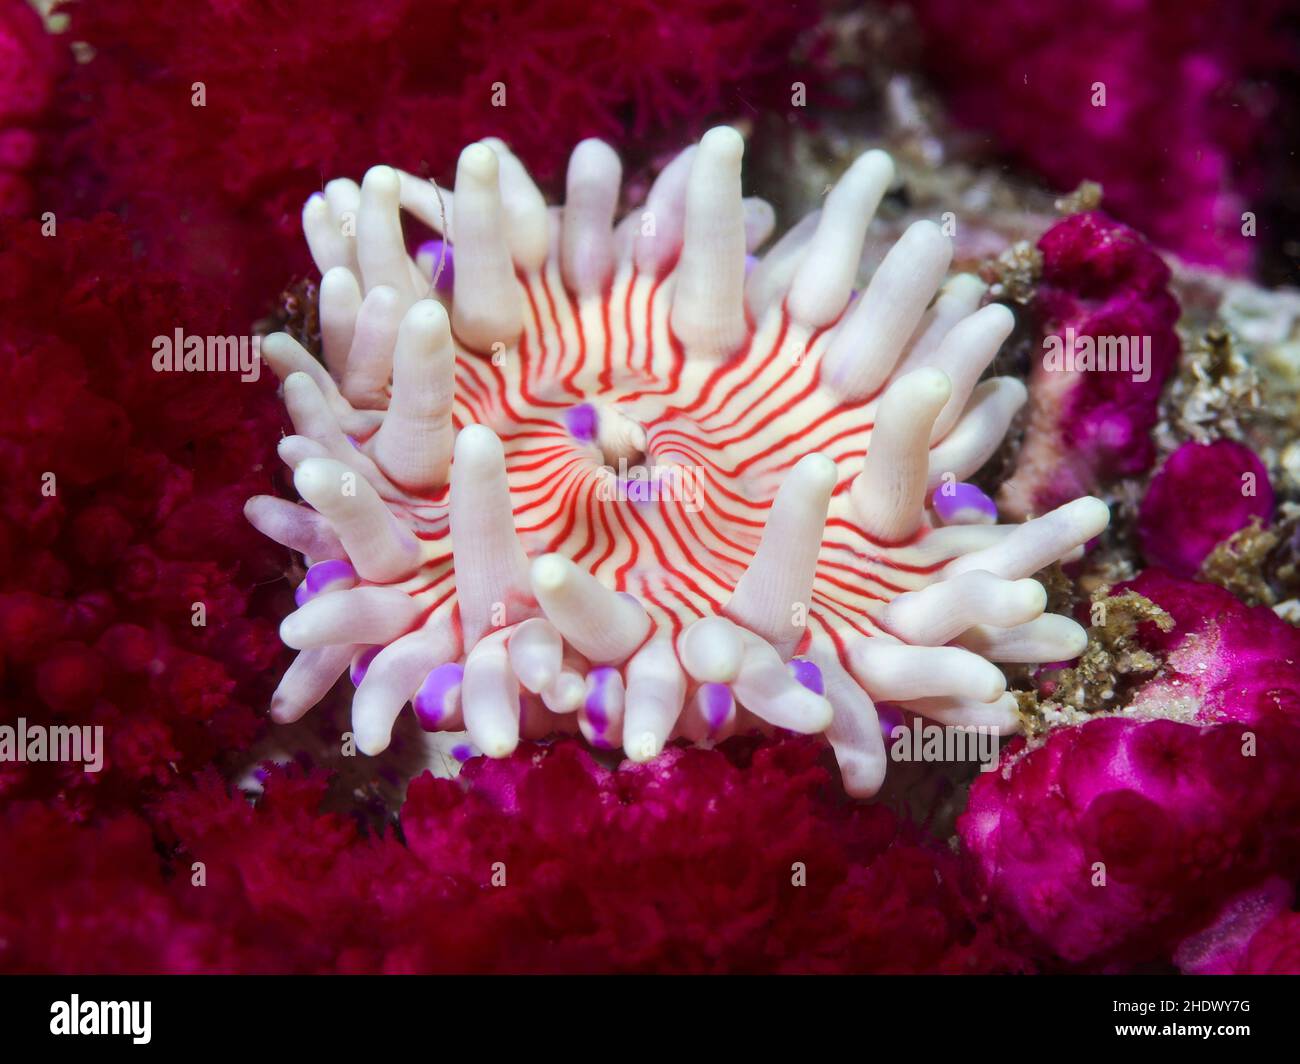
pixel 743 859
pixel 30 63
pixel 123 512
pixel 700 861
pixel 207 126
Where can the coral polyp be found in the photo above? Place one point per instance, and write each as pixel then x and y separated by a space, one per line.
pixel 625 480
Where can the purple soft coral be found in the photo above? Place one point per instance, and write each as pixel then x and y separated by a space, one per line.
pixel 1101 282
pixel 1167 103
pixel 1118 839
pixel 1202 495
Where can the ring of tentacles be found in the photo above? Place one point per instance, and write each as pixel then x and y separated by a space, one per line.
pixel 563 471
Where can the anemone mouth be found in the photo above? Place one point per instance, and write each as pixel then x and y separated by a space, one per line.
pixel 620 485
pixel 622 440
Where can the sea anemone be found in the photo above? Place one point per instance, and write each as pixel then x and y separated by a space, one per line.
pixel 624 481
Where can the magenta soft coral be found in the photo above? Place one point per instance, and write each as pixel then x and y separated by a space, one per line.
pixel 123 512
pixel 1275 948
pixel 1202 495
pixel 1237 662
pixel 1089 426
pixel 1116 840
pixel 1187 120
pixel 1119 838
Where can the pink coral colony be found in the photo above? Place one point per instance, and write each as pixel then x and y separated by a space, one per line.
pixel 615 482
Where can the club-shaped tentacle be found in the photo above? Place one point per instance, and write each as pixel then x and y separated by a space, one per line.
pixel 766 688
pixel 487 309
pixel 854 731
pixel 330 248
pixel 709 296
pixel 312 418
pixel 889 494
pixel 770 279
pixel 429 203
pixel 392 679
pixel 380 547
pixel 566 693
pixel 524 209
pixel 587 234
pixel 340 303
pixel 979 432
pixel 361 615
pixel 773 595
pixel 964 354
pixel 369 365
pixel 896 672
pixel 309 679
pixel 824 280
pixel 600 717
pixel 294 526
pixel 381 248
pixel 1039 542
pixel 711 650
pixel 414 443
pixel 437 701
pixel 1002 715
pixel 656 690
pixel 658 227
pixel 959 298
pixel 536 651
pixel 709 715
pixel 1050 637
pixel 286 357
pixel 602 625
pixel 490 696
pixel 869 342
pixel 943 610
pixel 760 221
pixel 491 566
